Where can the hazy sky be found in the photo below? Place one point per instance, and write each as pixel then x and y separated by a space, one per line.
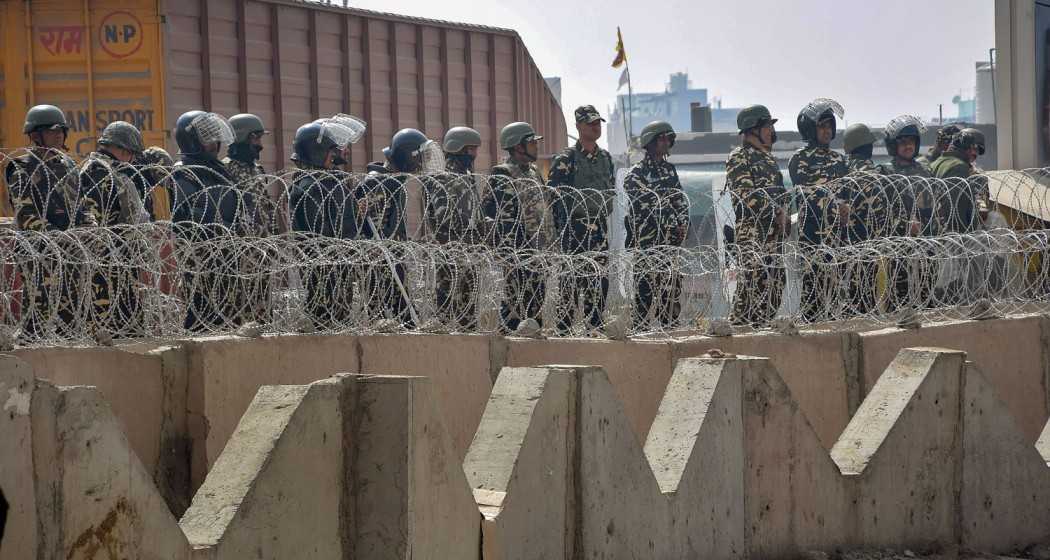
pixel 878 58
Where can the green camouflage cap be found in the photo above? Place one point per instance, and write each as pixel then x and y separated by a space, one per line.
pixel 587 114
pixel 755 115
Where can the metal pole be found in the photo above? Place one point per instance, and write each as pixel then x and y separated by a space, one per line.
pixel 991 71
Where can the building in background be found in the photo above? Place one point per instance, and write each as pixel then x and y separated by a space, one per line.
pixel 554 85
pixel 672 105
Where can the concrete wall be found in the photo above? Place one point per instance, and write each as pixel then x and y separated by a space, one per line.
pixel 180 403
pixel 362 466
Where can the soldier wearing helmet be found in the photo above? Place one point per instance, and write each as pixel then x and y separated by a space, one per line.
pixel 44 194
pixel 823 208
pixel 322 203
pixel 451 206
pixel 867 202
pixel 242 156
pixel 909 210
pixel 207 203
pixel 658 215
pixel 383 203
pixel 41 182
pixel 584 185
pixel 759 199
pixel 452 214
pixel 516 206
pixel 109 180
pixel 967 205
pixel 115 189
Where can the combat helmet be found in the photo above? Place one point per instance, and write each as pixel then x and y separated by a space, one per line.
pixel 752 117
pixel 122 135
pixel 654 129
pixel 515 133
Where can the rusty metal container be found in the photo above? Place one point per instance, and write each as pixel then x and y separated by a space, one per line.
pixel 148 61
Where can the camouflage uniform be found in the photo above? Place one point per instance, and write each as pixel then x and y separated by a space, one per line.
pixel 385 205
pixel 966 199
pixel 866 201
pixel 452 215
pixel 322 203
pixel 967 193
pixel 246 177
pixel 516 207
pixel 155 167
pixel 757 186
pixel 115 191
pixel 815 171
pixel 585 189
pixel 907 201
pixel 658 212
pixel 45 198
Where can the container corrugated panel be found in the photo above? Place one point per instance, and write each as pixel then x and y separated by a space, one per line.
pixel 289 62
pixel 97 60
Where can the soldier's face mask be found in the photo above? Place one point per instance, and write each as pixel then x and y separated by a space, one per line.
pixel 463 159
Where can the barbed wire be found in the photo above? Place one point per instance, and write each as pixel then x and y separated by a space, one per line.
pixel 310 251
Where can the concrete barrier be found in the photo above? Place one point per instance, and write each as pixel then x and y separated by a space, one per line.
pixel 821 368
pixel 1005 498
pixel 525 443
pixel 18 538
pixel 638 370
pixel 902 454
pixel 78 489
pixel 1016 347
pixel 352 466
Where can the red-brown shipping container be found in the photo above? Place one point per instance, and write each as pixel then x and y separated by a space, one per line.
pixel 287 61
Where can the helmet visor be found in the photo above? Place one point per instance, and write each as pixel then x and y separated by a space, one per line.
pixel 898 125
pixel 431 157
pixel 820 106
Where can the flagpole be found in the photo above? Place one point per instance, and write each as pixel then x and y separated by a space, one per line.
pixel 626 131
pixel 630 106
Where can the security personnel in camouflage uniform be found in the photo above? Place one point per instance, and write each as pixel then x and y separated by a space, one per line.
pixel 815 171
pixel 44 194
pixel 585 187
pixel 865 203
pixel 658 216
pixel 759 200
pixel 516 207
pixel 944 140
pixel 114 186
pixel 322 203
pixel 967 204
pixel 383 200
pixel 909 211
pixel 452 213
pixel 242 159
